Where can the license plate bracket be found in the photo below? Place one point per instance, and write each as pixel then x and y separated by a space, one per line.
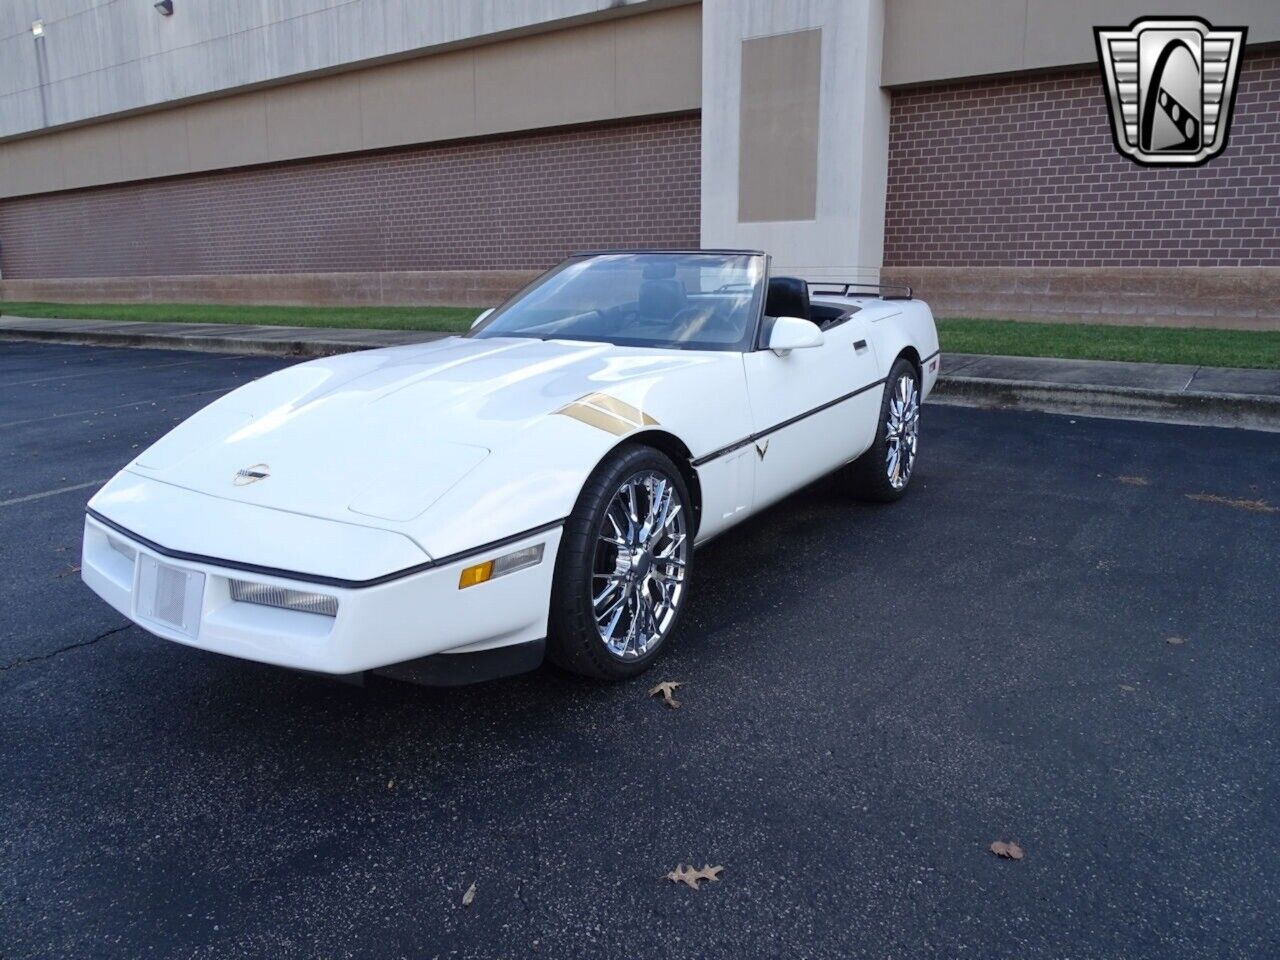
pixel 170 596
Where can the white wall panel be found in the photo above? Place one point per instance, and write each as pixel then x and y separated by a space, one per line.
pixel 845 237
pixel 625 67
pixel 101 59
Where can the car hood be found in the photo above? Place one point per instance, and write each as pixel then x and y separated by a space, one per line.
pixel 383 434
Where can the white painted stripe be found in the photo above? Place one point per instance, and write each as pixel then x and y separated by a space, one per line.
pixel 118 372
pixel 96 411
pixel 51 493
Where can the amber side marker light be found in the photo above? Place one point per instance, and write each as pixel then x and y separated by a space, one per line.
pixel 492 569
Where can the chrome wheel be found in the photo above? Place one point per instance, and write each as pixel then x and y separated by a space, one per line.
pixel 641 558
pixel 901 431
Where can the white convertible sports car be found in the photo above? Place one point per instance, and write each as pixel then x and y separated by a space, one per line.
pixel 455 510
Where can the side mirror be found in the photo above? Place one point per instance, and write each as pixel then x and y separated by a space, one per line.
pixel 480 316
pixel 792 333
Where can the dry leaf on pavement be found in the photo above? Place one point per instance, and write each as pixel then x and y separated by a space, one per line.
pixel 692 877
pixel 1238 503
pixel 1010 851
pixel 667 688
pixel 469 896
pixel 1135 481
pixel 1175 641
pixel 710 873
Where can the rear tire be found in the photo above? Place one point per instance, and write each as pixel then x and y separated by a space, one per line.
pixel 622 572
pixel 883 473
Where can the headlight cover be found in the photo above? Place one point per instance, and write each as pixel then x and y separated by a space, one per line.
pixel 246 591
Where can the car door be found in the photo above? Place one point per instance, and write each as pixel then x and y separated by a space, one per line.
pixel 814 409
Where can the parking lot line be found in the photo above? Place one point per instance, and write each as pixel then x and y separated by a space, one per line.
pixel 118 406
pixel 117 372
pixel 51 493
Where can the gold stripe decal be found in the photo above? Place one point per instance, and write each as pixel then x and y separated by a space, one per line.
pixel 607 413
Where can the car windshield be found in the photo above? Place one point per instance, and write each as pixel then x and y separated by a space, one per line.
pixel 690 301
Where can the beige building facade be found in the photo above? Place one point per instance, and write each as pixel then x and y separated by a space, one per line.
pixel 392 151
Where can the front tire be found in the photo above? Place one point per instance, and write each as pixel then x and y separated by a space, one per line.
pixel 884 471
pixel 622 572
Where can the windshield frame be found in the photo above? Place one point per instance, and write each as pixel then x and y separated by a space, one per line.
pixel 746 344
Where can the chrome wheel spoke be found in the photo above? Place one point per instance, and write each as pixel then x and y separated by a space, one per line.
pixel 670 515
pixel 901 431
pixel 619 537
pixel 606 632
pixel 639 565
pixel 615 584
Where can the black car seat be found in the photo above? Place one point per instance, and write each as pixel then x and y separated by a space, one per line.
pixel 787 297
pixel 661 299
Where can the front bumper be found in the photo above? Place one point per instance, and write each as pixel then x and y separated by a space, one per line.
pixel 386 623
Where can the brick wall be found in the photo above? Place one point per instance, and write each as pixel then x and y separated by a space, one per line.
pixel 1022 172
pixel 512 203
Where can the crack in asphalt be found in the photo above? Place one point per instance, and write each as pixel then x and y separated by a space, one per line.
pixel 23 661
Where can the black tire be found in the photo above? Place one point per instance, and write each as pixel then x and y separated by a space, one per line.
pixel 574 641
pixel 869 475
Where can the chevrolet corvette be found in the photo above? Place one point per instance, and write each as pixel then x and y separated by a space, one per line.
pixel 460 509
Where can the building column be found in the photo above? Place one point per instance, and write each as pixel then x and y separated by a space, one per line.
pixel 795 133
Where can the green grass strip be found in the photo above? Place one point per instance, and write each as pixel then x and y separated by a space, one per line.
pixel 1201 347
pixel 1192 345
pixel 450 319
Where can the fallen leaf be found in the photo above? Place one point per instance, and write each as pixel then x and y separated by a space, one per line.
pixel 469 896
pixel 691 877
pixel 70 570
pixel 1175 641
pixel 391 784
pixel 1257 506
pixel 1009 851
pixel 710 873
pixel 1126 688
pixel 1135 481
pixel 667 688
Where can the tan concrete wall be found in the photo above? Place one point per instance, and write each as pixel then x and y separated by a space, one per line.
pixel 479 288
pixel 778 130
pixel 928 40
pixel 1238 298
pixel 841 235
pixel 632 66
pixel 107 58
pixel 512 202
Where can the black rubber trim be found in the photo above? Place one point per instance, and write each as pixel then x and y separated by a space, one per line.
pixel 460 669
pixel 929 357
pixel 739 444
pixel 315 577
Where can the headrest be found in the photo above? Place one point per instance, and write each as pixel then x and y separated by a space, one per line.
pixel 787 297
pixel 659 270
pixel 660 298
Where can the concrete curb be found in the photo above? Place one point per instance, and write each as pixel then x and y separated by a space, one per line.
pixel 1248 411
pixel 299 347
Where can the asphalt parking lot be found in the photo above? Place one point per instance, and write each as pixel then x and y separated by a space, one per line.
pixel 872 696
